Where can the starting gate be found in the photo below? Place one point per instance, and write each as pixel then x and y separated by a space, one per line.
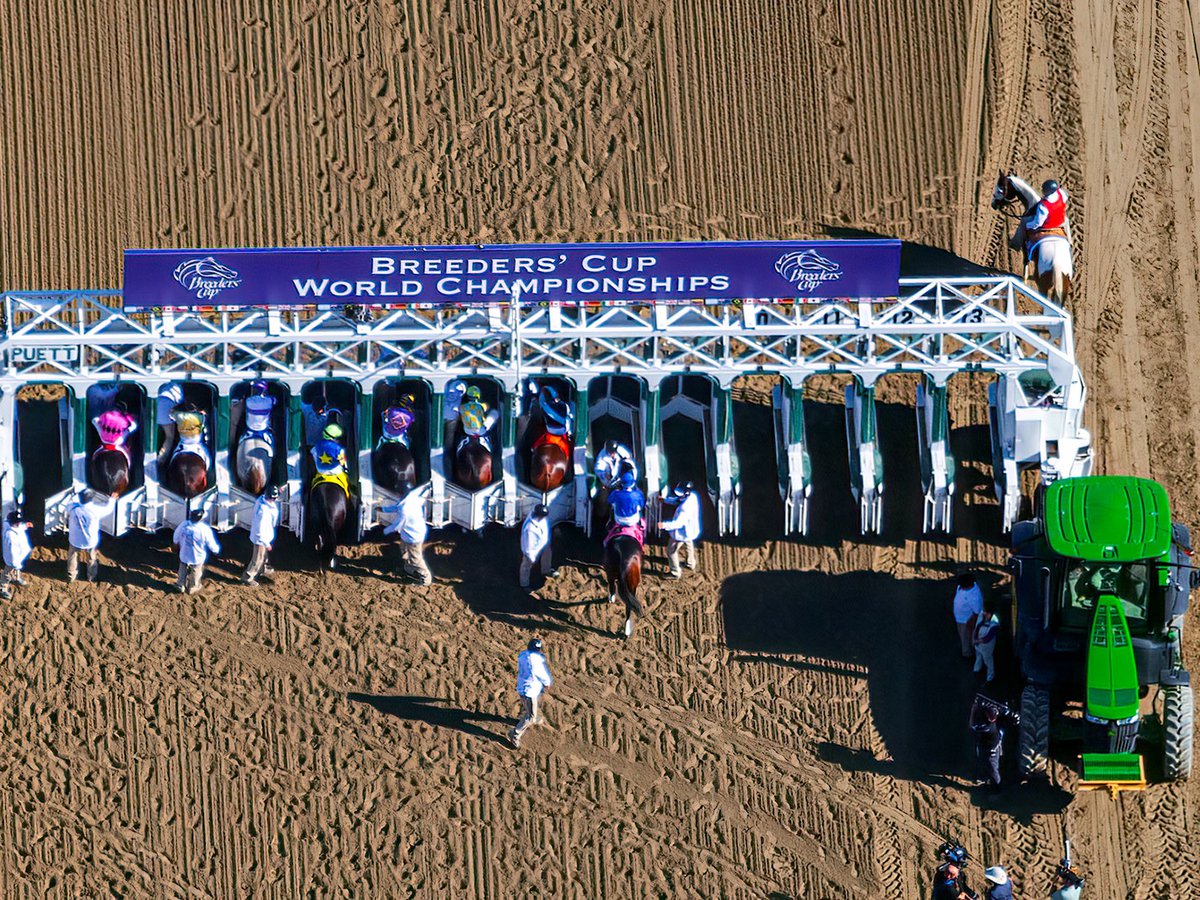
pixel 936 327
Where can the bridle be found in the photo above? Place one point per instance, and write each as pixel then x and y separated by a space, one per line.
pixel 1008 201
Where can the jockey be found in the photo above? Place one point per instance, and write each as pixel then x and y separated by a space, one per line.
pixel 397 420
pixel 1051 211
pixel 612 460
pixel 558 415
pixel 627 502
pixel 474 414
pixel 114 427
pixel 258 411
pixel 328 455
pixel 189 424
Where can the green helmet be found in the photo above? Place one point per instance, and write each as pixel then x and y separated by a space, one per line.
pixel 333 431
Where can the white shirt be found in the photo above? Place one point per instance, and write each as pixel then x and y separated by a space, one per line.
pixel 83 523
pixel 533 674
pixel 685 524
pixel 967 602
pixel 16 545
pixel 264 522
pixel 196 540
pixel 410 521
pixel 609 464
pixel 535 536
pixel 169 397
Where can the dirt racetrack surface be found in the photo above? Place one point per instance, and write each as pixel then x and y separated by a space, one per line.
pixel 789 719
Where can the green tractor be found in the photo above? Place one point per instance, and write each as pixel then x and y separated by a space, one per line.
pixel 1101 583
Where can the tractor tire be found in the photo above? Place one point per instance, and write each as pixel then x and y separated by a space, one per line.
pixel 1034 751
pixel 1177 732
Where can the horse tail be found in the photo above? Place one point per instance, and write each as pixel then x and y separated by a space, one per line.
pixel 630 576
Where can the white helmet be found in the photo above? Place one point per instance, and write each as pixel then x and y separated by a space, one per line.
pixel 996 874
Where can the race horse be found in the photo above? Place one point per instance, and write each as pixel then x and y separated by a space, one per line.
pixel 328 510
pixel 255 457
pixel 472 462
pixel 623 570
pixel 394 468
pixel 551 460
pixel 187 473
pixel 110 463
pixel 1048 263
pixel 110 471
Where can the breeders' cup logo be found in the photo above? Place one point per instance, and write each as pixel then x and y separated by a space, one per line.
pixel 807 269
pixel 206 277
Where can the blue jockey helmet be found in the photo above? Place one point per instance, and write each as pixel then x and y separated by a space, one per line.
pixel 627 480
pixel 259 387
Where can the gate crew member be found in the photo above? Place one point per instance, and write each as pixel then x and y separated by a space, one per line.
pixel 614 459
pixel 968 607
pixel 259 405
pixel 16 551
pixel 986 632
pixel 316 416
pixel 262 535
pixel 558 414
pixel 169 397
pixel 412 528
pixel 533 677
pixel 114 426
pixel 536 536
pixel 195 540
pixel 83 532
pixel 684 527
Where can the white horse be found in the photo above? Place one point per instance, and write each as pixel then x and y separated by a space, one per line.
pixel 1049 255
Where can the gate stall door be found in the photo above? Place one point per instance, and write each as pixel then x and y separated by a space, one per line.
pixel 388 393
pixel 473 507
pixel 688 412
pixel 44 478
pixel 340 400
pixel 244 460
pixel 616 410
pixel 128 511
pixel 530 429
pixel 175 505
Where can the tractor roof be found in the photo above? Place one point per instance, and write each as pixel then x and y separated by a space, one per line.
pixel 1111 518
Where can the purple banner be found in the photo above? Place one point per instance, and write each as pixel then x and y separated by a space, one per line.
pixel 475 274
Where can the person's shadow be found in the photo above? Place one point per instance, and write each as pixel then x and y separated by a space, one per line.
pixel 430 711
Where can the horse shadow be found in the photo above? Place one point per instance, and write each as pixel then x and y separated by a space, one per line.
pixel 433 712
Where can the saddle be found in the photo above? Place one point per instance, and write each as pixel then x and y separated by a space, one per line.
pixel 265 436
pixel 561 441
pixel 1033 238
pixel 196 449
pixel 341 479
pixel 637 532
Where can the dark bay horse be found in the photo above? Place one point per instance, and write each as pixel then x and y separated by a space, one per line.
pixel 187 474
pixel 472 464
pixel 551 462
pixel 393 467
pixel 110 471
pixel 623 571
pixel 328 509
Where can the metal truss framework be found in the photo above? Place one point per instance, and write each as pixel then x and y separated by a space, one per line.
pixel 937 327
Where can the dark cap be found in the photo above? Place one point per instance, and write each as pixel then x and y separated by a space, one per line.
pixel 540 511
pixel 196 515
pixel 535 646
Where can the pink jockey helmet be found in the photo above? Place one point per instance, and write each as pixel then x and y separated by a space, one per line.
pixel 113 425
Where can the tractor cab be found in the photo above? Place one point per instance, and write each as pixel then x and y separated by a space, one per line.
pixel 1101 591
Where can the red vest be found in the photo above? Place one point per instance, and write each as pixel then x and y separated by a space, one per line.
pixel 1056 210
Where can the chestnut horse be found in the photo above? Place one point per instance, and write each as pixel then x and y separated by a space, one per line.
pixel 551 461
pixel 110 472
pixel 472 464
pixel 255 455
pixel 623 570
pixel 187 475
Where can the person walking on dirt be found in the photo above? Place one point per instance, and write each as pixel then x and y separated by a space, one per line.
pixel 986 632
pixel 536 533
pixel 988 721
pixel 533 677
pixel 83 533
pixel 968 606
pixel 195 540
pixel 16 550
pixel 998 886
pixel 262 535
pixel 684 528
pixel 412 528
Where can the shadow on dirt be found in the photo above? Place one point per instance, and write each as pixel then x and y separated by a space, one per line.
pixel 434 711
pixel 902 633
